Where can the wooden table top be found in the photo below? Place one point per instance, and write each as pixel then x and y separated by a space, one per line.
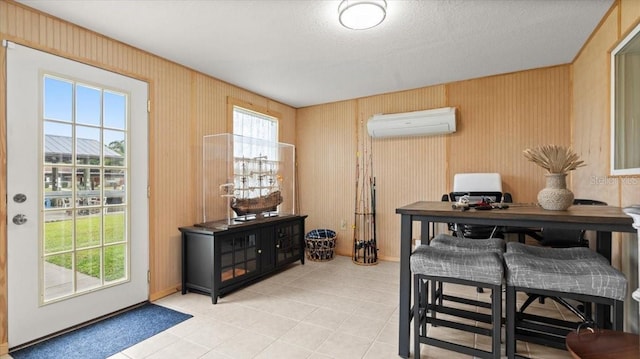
pixel 586 217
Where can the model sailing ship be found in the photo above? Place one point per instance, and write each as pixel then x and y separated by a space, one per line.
pixel 256 189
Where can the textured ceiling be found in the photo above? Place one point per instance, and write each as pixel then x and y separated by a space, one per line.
pixel 296 52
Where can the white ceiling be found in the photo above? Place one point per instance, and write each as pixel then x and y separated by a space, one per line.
pixel 296 52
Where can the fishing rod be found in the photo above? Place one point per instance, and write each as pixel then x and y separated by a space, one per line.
pixel 355 207
pixel 373 218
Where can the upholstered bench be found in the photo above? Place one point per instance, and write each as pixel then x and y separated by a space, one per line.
pixel 476 269
pixel 557 253
pixel 462 244
pixel 568 273
pixel 582 311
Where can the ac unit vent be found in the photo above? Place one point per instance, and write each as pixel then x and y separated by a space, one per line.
pixel 418 123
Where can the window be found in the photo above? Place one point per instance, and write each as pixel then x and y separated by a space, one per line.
pixel 255 152
pixel 625 109
pixel 253 124
pixel 84 172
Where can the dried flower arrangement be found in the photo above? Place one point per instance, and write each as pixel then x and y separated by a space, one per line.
pixel 554 158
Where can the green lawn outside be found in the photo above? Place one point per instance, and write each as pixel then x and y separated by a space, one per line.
pixel 58 238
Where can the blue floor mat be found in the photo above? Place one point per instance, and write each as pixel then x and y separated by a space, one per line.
pixel 107 337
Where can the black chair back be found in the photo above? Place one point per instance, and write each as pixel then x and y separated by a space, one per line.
pixel 565 238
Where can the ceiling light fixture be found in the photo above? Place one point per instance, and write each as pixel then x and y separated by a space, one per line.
pixel 362 14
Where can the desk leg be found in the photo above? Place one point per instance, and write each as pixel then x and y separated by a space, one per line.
pixel 405 286
pixel 603 246
pixel 425 233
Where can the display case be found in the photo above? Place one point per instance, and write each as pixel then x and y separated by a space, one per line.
pixel 246 179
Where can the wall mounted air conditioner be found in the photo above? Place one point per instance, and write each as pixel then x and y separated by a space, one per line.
pixel 419 123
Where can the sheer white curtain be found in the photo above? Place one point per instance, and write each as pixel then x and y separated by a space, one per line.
pixel 254 125
pixel 255 149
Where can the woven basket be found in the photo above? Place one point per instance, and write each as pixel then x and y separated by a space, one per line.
pixel 320 245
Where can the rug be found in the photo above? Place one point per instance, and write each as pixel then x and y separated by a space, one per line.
pixel 107 337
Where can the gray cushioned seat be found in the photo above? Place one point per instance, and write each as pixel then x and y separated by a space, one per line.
pixel 482 268
pixel 461 244
pixel 584 276
pixel 555 253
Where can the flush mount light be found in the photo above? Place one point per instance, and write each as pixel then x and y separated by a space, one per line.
pixel 362 14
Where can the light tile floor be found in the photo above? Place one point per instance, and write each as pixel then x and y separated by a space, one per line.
pixel 320 310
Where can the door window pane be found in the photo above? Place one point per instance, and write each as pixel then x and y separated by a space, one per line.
pixel 115 110
pixel 58 230
pixel 58 146
pixel 88 269
pixel 88 229
pixel 58 99
pixel 115 262
pixel 115 148
pixel 115 225
pixel 88 145
pixel 115 186
pixel 57 187
pixel 58 280
pixel 88 105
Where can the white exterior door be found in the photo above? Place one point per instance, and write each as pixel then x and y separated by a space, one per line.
pixel 77 165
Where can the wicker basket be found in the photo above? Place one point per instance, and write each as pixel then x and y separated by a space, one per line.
pixel 320 245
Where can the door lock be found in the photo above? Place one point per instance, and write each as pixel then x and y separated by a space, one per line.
pixel 19 198
pixel 19 219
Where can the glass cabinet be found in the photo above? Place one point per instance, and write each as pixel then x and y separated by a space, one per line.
pixel 238 256
pixel 216 261
pixel 287 244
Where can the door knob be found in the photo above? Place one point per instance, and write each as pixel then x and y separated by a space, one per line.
pixel 19 219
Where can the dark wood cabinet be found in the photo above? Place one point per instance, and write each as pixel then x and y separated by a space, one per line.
pixel 217 261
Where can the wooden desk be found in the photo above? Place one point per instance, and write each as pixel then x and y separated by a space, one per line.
pixel 602 219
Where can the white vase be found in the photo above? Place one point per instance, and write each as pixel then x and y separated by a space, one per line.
pixel 555 196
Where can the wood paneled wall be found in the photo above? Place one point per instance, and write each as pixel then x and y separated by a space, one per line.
pixel 405 169
pixel 590 110
pixel 498 117
pixel 325 167
pixel 185 106
pixel 591 133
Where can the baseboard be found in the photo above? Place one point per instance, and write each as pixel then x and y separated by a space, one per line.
pixel 381 258
pixel 163 293
pixel 389 259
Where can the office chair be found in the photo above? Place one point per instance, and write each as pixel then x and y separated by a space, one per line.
pixel 477 187
pixel 560 238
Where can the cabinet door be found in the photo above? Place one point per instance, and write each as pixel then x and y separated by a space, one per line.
pixel 288 242
pixel 238 256
pixel 267 249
